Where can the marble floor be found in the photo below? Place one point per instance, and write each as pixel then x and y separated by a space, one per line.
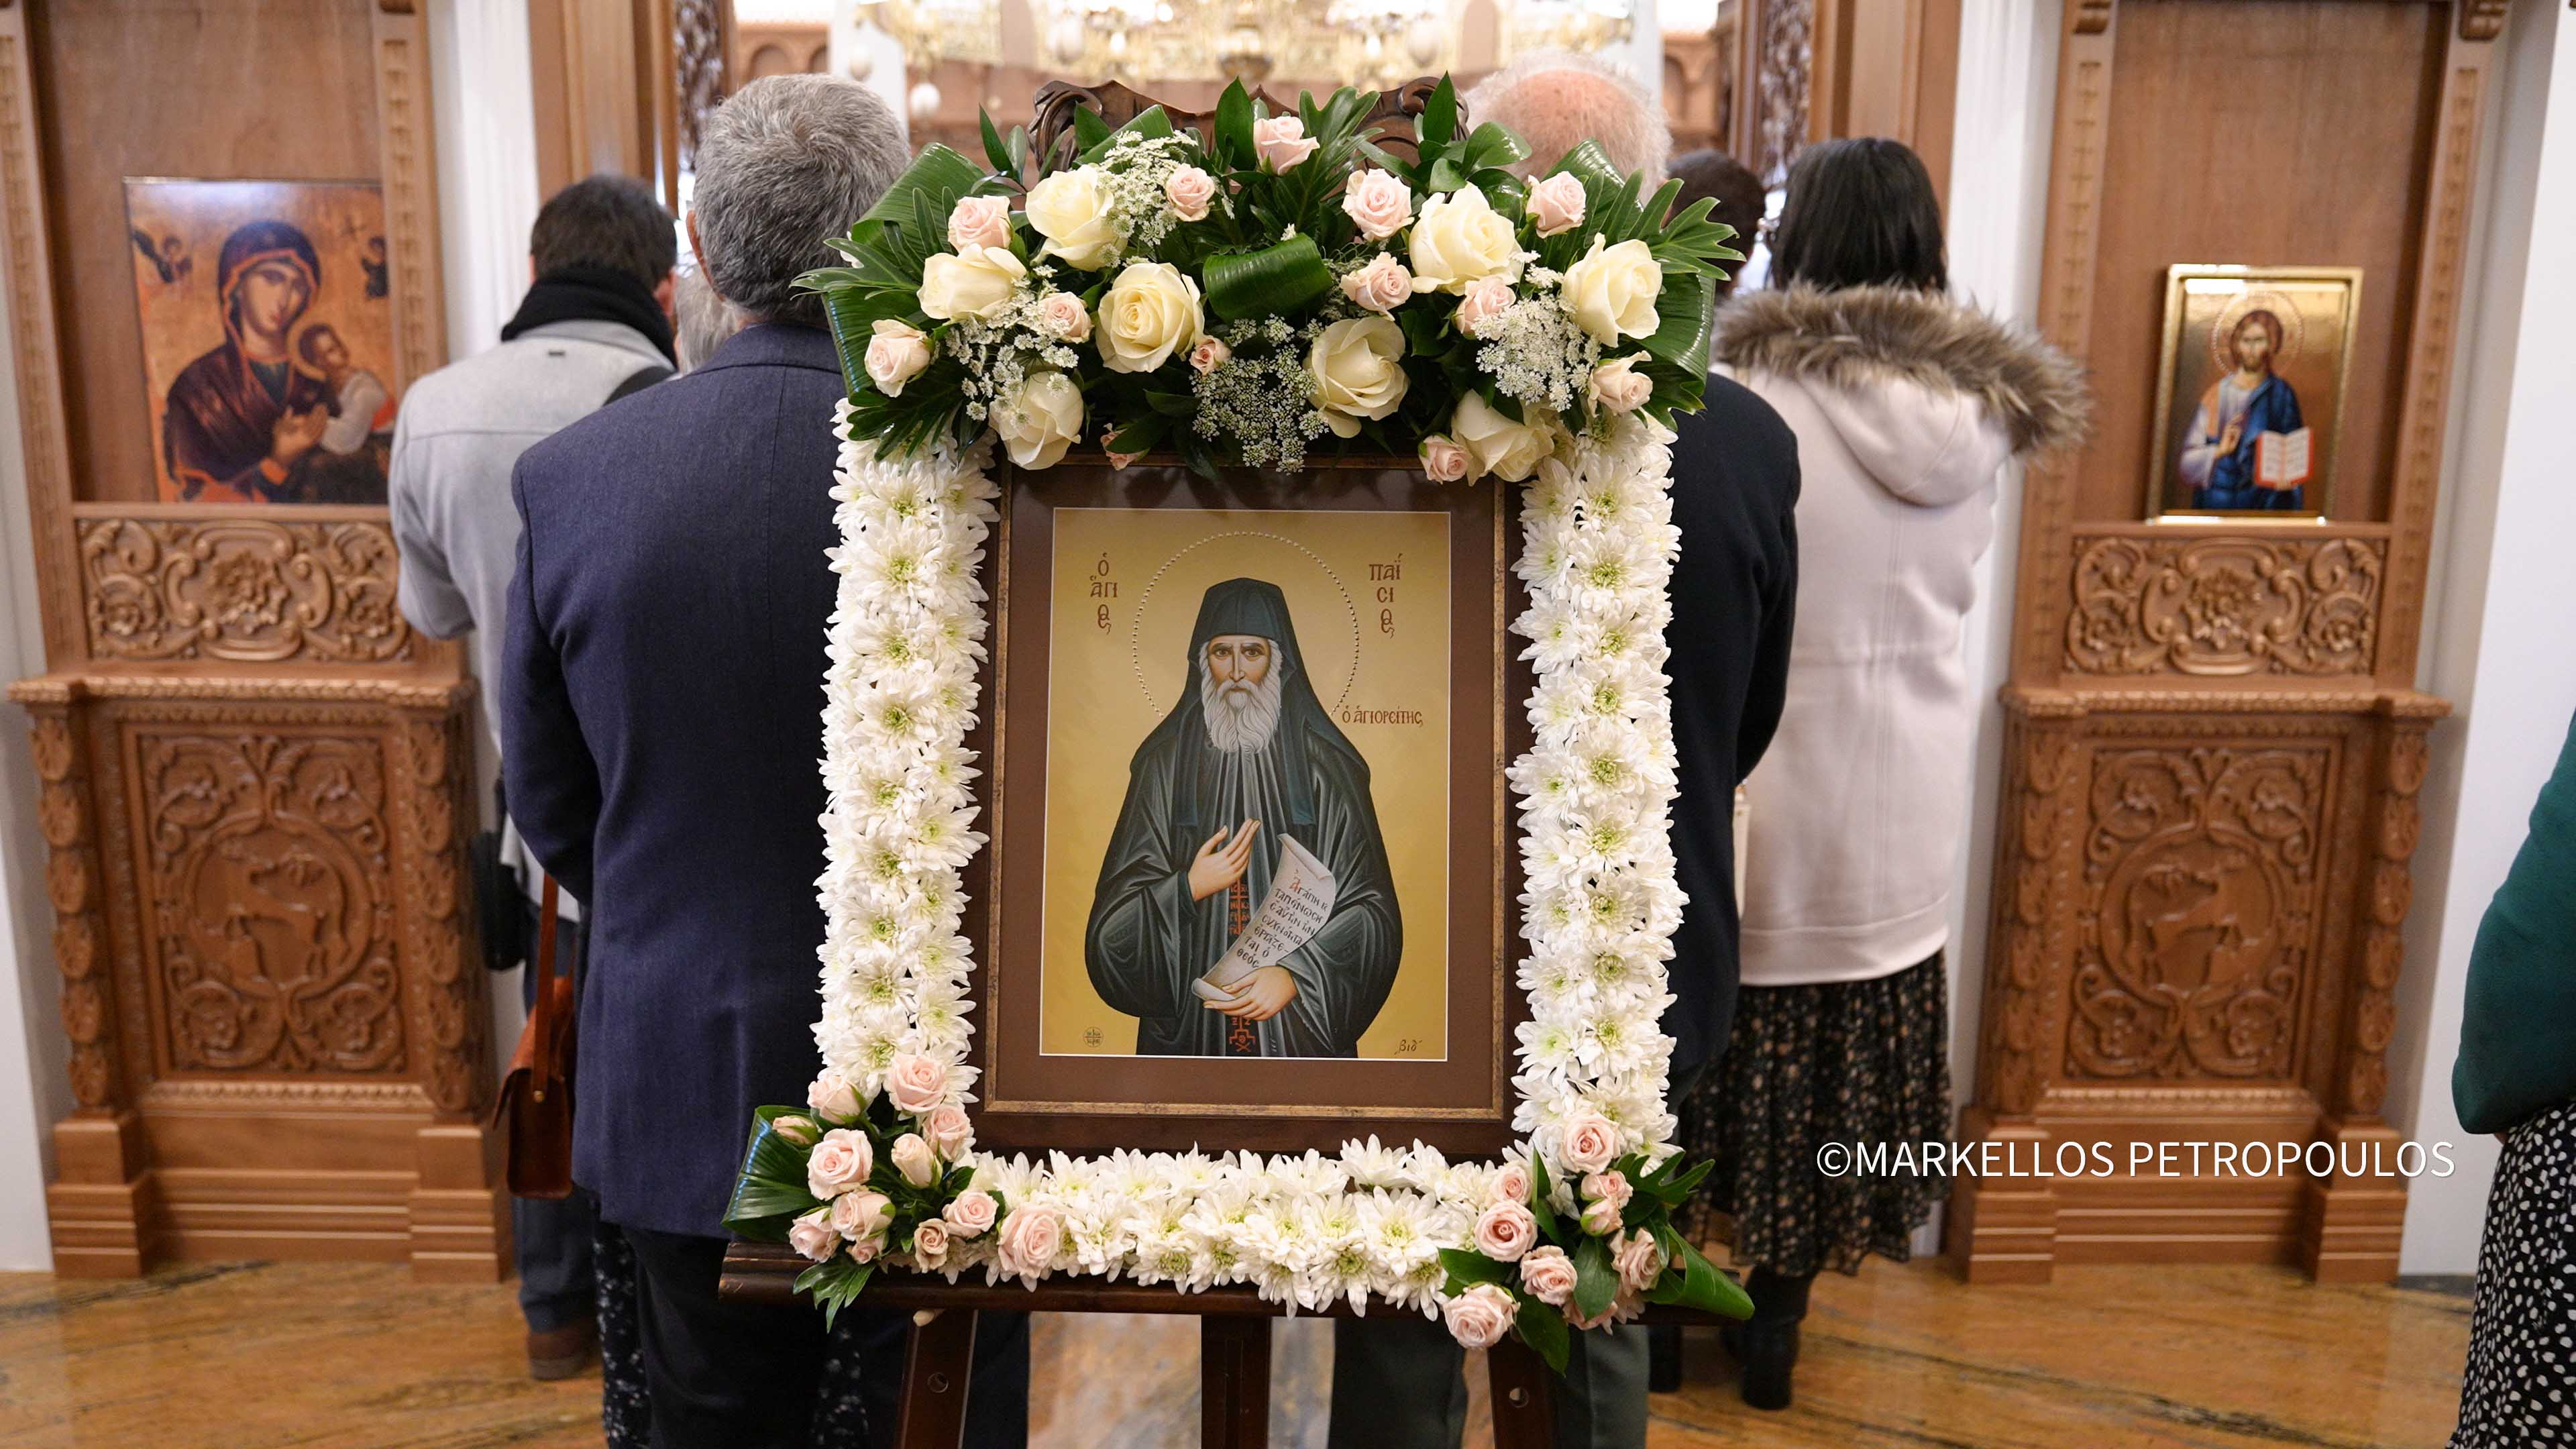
pixel 356 1356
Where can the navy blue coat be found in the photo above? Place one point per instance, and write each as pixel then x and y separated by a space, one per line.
pixel 660 692
pixel 1735 593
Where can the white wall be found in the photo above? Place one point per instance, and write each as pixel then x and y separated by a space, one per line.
pixel 487 162
pixel 2497 642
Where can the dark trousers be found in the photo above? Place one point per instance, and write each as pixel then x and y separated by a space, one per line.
pixel 552 1236
pixel 726 1374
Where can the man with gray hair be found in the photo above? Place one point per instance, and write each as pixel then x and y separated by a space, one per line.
pixel 665 639
pixel 1556 102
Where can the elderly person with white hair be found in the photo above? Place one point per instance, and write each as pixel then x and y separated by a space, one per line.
pixel 664 639
pixel 1397 1383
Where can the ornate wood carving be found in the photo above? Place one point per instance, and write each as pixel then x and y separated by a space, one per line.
pixel 2200 868
pixel 241 589
pixel 268 865
pixel 1783 63
pixel 2389 890
pixel 29 263
pixel 698 50
pixel 404 121
pixel 2483 19
pixel 74 888
pixel 2035 879
pixel 435 806
pixel 2220 606
pixel 2091 17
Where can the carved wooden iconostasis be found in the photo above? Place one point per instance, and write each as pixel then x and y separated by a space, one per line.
pixel 256 780
pixel 2213 740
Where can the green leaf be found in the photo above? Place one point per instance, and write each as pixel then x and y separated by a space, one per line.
pixel 1439 119
pixel 1596 1282
pixel 1686 322
pixel 1277 279
pixel 1544 1329
pixel 1692 1281
pixel 1540 1207
pixel 996 150
pixel 1138 436
pixel 770 1191
pixel 1492 145
pixel 1234 126
pixel 1089 130
pixel 1150 123
pixel 1446 176
pixel 1468 1268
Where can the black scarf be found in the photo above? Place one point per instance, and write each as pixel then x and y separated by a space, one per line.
pixel 593 294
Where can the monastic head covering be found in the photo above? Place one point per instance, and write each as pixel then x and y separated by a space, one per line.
pixel 1256 607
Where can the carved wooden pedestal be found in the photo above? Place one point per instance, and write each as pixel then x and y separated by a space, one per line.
pixel 277 1022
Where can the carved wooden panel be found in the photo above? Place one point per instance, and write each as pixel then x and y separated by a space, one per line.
pixel 267 864
pixel 434 781
pixel 2201 872
pixel 2034 884
pixel 2393 836
pixel 72 882
pixel 242 589
pixel 2220 606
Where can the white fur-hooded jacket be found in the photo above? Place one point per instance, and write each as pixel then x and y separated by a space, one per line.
pixel 1906 407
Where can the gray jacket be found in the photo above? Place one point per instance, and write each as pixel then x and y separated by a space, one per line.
pixel 459 435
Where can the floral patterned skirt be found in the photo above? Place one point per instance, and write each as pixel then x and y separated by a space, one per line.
pixel 1847 1062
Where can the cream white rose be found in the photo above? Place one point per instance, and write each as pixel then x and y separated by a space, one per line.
pixel 1063 314
pixel 1036 422
pixel 1590 1142
pixel 916 1083
pixel 949 1129
pixel 1190 191
pixel 814 1236
pixel 1460 238
pixel 1381 286
pixel 1611 293
pixel 1618 386
pixel 897 353
pixel 1479 1317
pixel 834 1095
pixel 977 282
pixel 1378 203
pixel 1358 371
pixel 1505 1231
pixel 1443 461
pixel 1495 444
pixel 1282 141
pixel 838 1163
pixel 1548 1275
pixel 1150 312
pixel 980 221
pixel 1071 210
pixel 971 1213
pixel 1556 204
pixel 914 1159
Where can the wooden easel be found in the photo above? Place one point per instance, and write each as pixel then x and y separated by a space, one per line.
pixel 1234 1348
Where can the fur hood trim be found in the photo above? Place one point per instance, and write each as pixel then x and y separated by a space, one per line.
pixel 1843 338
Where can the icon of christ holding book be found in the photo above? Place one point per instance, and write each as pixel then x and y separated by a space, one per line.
pixel 1245 907
pixel 2247 448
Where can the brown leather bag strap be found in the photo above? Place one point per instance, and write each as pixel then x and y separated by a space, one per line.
pixel 543 1064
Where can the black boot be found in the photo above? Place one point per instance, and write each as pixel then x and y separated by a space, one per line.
pixel 1766 1345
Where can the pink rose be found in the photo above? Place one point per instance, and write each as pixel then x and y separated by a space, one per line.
pixel 930 1244
pixel 1639 1262
pixel 1589 1143
pixel 831 1093
pixel 1121 460
pixel 897 353
pixel 980 221
pixel 1190 190
pixel 914 1159
pixel 800 1130
pixel 1381 286
pixel 949 1129
pixel 1479 1317
pixel 1209 355
pixel 1443 461
pixel 1556 204
pixel 813 1235
pixel 916 1083
pixel 866 1250
pixel 1609 1187
pixel 1548 1275
pixel 1621 1309
pixel 1030 1237
pixel 971 1213
pixel 1064 315
pixel 1512 1184
pixel 1485 297
pixel 1378 203
pixel 1618 386
pixel 1505 1231
pixel 1601 1219
pixel 841 1161
pixel 1282 142
pixel 859 1216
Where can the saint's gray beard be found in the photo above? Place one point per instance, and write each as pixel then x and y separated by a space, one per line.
pixel 1240 729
